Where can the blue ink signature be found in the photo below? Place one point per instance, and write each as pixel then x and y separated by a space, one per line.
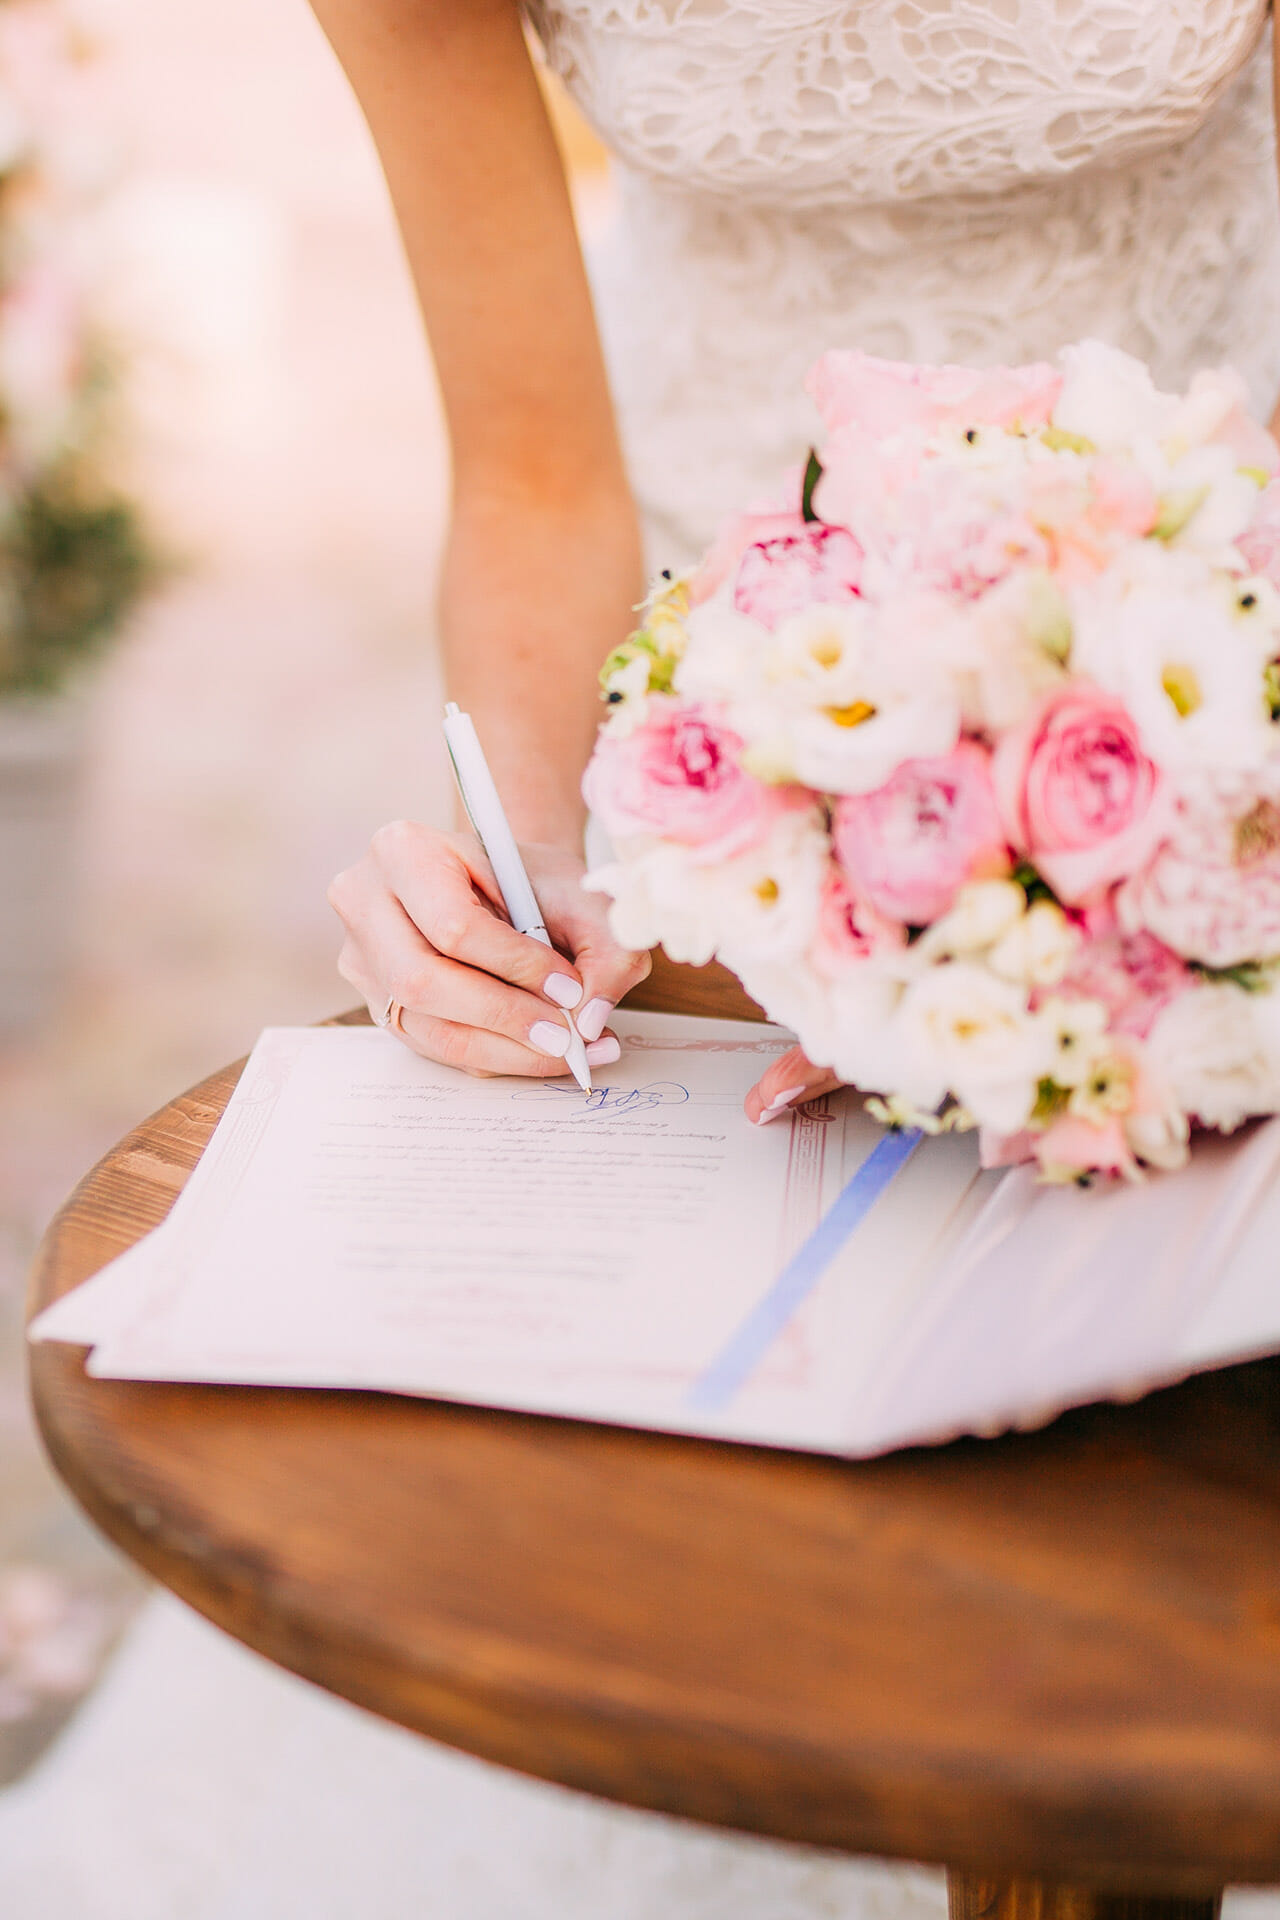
pixel 613 1100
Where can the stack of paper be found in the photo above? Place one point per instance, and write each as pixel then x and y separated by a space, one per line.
pixel 643 1255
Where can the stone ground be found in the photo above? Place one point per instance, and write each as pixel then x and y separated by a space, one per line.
pixel 265 712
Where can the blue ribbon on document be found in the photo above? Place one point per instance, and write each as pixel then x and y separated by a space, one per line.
pixel 749 1343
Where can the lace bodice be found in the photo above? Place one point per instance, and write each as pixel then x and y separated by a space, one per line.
pixel 935 179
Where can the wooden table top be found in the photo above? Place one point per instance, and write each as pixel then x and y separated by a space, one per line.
pixel 1056 1653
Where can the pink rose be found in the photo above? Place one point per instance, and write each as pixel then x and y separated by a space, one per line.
pixel 1212 892
pixel 678 777
pixel 908 847
pixel 1079 796
pixel 787 572
pixel 885 396
pixel 1133 974
pixel 849 929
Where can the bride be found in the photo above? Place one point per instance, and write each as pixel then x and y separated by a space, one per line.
pixel 968 180
pixel 973 180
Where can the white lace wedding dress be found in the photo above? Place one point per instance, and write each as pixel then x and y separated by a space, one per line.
pixel 934 179
pixel 972 180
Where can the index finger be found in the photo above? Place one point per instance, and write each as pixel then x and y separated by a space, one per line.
pixel 437 887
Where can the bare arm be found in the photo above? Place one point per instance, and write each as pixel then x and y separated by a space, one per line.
pixel 543 565
pixel 542 568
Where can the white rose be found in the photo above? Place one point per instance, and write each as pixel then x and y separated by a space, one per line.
pixel 963 1030
pixel 1160 1139
pixel 982 913
pixel 1038 948
pixel 1214 1049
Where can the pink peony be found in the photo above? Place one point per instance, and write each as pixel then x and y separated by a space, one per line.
pixel 786 572
pixel 849 930
pixel 1079 796
pixel 678 777
pixel 740 531
pixel 885 396
pixel 1134 975
pixel 908 847
pixel 1212 892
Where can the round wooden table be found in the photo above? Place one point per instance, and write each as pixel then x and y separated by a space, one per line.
pixel 1051 1661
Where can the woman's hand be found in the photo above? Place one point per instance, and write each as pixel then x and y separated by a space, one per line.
pixel 425 924
pixel 790 1081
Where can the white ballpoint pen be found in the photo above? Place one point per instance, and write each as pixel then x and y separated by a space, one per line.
pixel 493 830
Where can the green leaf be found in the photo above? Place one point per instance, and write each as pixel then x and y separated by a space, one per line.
pixel 1035 888
pixel 812 475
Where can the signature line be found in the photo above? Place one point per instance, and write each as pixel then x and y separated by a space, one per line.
pixel 751 1340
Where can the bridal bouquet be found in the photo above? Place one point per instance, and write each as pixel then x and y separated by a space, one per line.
pixel 966 757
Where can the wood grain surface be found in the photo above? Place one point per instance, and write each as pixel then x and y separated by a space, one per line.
pixel 1053 1655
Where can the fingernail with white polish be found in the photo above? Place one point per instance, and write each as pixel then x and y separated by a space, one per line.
pixel 563 989
pixel 591 1021
pixel 778 1106
pixel 603 1053
pixel 549 1038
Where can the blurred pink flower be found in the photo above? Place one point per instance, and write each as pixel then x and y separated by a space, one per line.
pixel 678 777
pixel 909 846
pixel 740 531
pixel 852 388
pixel 1072 1145
pixel 1212 892
pixel 1079 796
pixel 1260 543
pixel 40 358
pixel 809 566
pixel 849 929
pixel 1134 975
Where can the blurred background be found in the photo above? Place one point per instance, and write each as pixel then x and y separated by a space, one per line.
pixel 222 487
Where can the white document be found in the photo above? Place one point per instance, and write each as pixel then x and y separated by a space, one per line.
pixel 642 1255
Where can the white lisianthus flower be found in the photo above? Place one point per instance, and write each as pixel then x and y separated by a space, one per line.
pixel 1206 503
pixel 842 1024
pixel 1023 641
pixel 1109 399
pixel 1038 948
pixel 963 1030
pixel 823 656
pixel 723 660
pixel 863 1045
pixel 846 750
pixel 1190 674
pixel 1214 1049
pixel 660 897
pixel 765 901
pixel 836 707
